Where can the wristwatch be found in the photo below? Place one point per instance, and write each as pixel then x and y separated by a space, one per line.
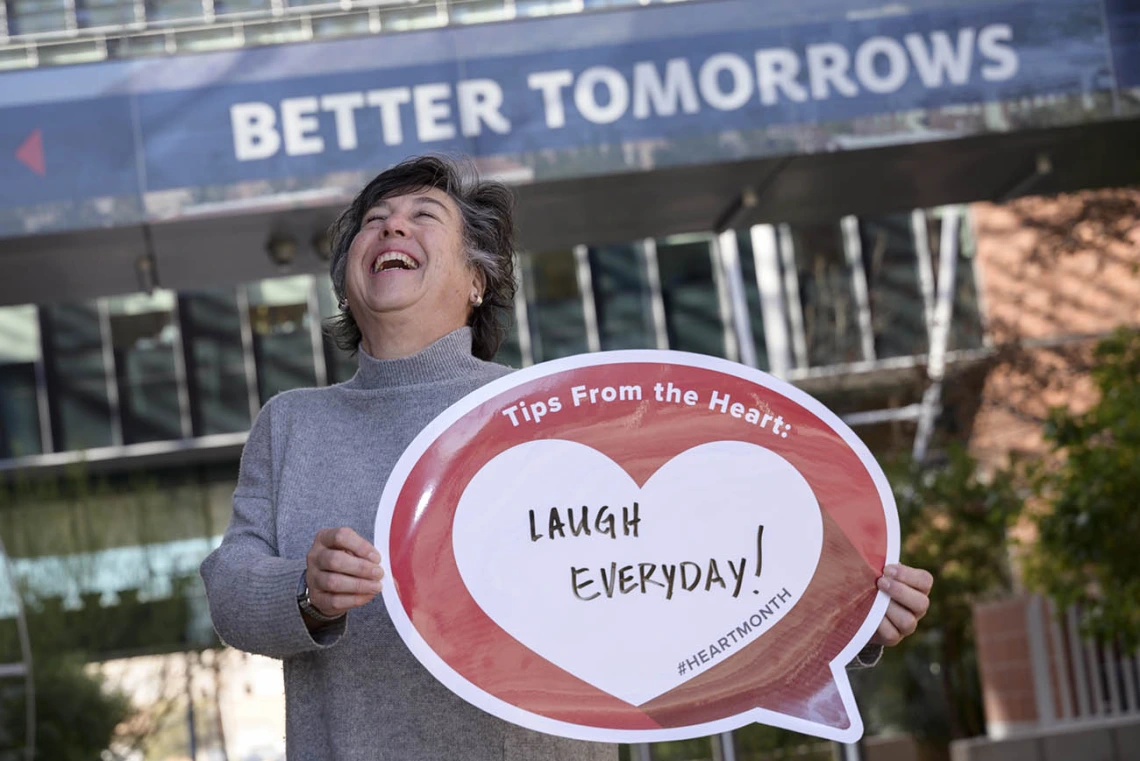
pixel 307 607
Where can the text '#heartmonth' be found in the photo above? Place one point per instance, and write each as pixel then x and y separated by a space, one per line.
pixel 738 635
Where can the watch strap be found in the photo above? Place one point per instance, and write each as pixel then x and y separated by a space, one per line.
pixel 307 607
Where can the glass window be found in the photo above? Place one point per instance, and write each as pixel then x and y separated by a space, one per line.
pixel 222 7
pixel 19 408
pixel 276 32
pixel 218 37
pixel 557 318
pixel 546 7
pixel 31 16
pixel 752 296
pixel 622 297
pixel 966 331
pixel 898 313
pixel 282 334
pixel 76 376
pixel 479 11
pixel 831 327
pixel 592 4
pixel 692 304
pixel 94 13
pixel 215 361
pixel 341 25
pixel 173 10
pixel 418 16
pixel 341 365
pixel 136 46
pixel 144 337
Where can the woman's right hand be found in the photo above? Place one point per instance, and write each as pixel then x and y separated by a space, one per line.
pixel 342 570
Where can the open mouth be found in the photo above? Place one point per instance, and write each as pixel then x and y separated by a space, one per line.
pixel 394 260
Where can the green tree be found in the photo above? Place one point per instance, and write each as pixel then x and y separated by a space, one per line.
pixel 1085 549
pixel 76 715
pixel 954 523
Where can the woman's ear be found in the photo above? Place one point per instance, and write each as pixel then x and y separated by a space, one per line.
pixel 478 281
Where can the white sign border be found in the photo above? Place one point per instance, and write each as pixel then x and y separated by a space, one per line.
pixel 508 712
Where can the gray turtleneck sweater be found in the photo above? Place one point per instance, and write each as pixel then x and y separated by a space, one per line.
pixel 319 458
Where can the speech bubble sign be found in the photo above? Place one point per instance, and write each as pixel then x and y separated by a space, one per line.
pixel 639 546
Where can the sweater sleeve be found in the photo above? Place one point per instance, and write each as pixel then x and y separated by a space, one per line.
pixel 252 591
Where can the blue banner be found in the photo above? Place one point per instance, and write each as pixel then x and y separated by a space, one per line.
pixel 1123 19
pixel 672 73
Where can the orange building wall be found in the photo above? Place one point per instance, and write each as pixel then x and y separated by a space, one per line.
pixel 1055 274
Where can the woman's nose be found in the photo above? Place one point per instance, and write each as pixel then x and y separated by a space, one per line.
pixel 395 226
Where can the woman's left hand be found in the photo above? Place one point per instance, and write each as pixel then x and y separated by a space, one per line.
pixel 909 590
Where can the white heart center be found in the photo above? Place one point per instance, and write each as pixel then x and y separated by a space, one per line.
pixel 607 608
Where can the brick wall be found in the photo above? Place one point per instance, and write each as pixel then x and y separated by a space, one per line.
pixel 1055 273
pixel 1005 665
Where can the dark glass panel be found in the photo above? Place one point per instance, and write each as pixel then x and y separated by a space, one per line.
pixel 557 318
pixel 692 305
pixel 215 361
pixel 898 313
pixel 831 328
pixel 77 376
pixel 622 297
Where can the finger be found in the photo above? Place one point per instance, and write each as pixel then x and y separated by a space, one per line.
pixel 886 634
pixel 339 561
pixel 902 619
pixel 346 539
pixel 909 597
pixel 918 578
pixel 334 605
pixel 337 583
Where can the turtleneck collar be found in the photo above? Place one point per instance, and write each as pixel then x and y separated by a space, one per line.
pixel 448 358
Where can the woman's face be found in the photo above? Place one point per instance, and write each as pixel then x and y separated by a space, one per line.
pixel 408 262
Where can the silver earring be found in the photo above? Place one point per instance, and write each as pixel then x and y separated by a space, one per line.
pixel 343 304
pixel 477 300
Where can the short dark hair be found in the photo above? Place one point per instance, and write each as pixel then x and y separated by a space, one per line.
pixel 487 210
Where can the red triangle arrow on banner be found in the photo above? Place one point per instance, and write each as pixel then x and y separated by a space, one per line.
pixel 31 153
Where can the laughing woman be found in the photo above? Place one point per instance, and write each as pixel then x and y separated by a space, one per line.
pixel 422 264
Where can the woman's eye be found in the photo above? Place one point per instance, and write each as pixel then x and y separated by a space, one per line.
pixel 427 214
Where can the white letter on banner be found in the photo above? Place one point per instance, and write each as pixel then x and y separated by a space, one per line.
pixel 777 68
pixel 585 90
pixel 828 63
pixel 343 104
pixel 551 84
pixel 254 128
pixel 479 103
pixel 298 122
pixel 663 97
pixel 1004 58
pixel 941 59
pixel 741 81
pixel 389 102
pixel 431 107
pixel 898 66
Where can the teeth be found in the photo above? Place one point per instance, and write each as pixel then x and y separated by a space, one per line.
pixel 403 261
